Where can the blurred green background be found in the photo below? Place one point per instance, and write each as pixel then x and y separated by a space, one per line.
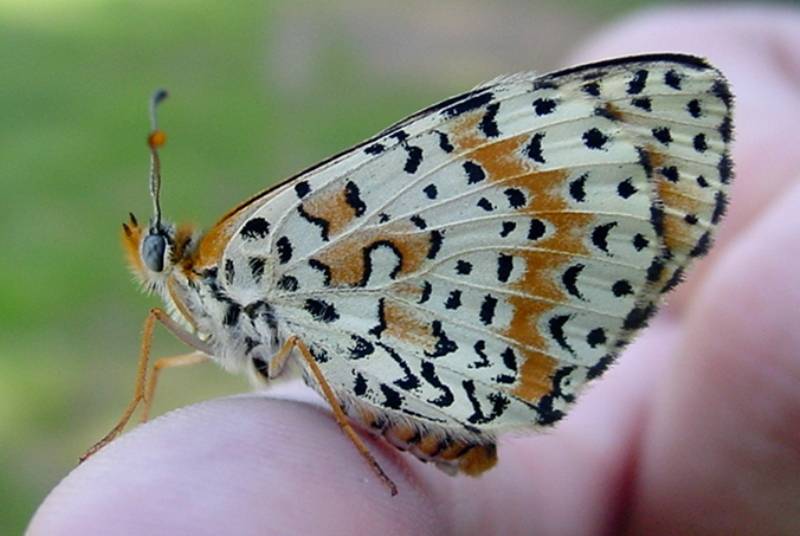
pixel 259 90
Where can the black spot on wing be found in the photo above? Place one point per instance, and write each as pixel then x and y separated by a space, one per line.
pixel 499 404
pixel 288 283
pixel 254 229
pixel 663 135
pixel 480 350
pixel 725 168
pixel 725 129
pixel 547 414
pixel 600 235
pixel 534 148
pixel 359 385
pixel 516 199
pixel 645 161
pixel 487 309
pixel 426 292
pixel 509 359
pixel 229 271
pixel 643 103
pixel 702 246
pixel 544 106
pixel 625 189
pixel 570 280
pixel 393 399
pixel 302 189
pixel 670 173
pixel 444 345
pixel 485 204
pixel 429 375
pixel 321 310
pixel 600 367
pixel 508 228
pixel 444 142
pixel 430 191
pixel 453 300
pixel 594 138
pixel 591 88
pixel 655 269
pixel 505 264
pixel 488 125
pixel 463 267
pixel 621 288
pixel 699 143
pixel 374 149
pixel 721 90
pixel 418 221
pixel 640 242
pixel 694 108
pixel 638 82
pixel 361 347
pixel 413 160
pixel 436 243
pixel 378 329
pixel 577 188
pixel 536 229
pixel 673 79
pixel 284 247
pixel 638 317
pixel 720 205
pixel 596 337
pixel 674 280
pixel 400 135
pixel 352 197
pixel 472 102
pixel 475 173
pixel 556 327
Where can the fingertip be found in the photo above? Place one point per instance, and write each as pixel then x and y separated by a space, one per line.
pixel 241 465
pixel 722 453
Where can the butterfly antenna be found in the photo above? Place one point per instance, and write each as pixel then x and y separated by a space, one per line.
pixel 156 139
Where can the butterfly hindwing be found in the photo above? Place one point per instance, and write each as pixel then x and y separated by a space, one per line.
pixel 475 264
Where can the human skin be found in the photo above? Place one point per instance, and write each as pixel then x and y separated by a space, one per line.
pixel 696 430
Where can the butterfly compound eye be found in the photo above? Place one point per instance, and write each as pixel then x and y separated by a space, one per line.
pixel 153 249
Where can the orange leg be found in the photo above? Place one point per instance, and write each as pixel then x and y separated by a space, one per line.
pixel 341 418
pixel 162 363
pixel 141 371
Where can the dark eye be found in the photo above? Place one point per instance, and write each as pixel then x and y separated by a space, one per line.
pixel 153 251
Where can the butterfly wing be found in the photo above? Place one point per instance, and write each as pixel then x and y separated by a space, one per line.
pixel 474 265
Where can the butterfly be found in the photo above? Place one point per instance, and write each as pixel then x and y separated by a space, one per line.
pixel 465 272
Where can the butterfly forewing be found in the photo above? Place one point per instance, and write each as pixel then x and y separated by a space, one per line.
pixel 474 265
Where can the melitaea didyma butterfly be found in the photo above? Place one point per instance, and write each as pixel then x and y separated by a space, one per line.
pixel 468 270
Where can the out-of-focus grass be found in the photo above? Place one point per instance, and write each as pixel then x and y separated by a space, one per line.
pixel 75 81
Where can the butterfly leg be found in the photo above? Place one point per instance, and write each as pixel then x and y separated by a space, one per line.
pixel 341 418
pixel 183 360
pixel 141 371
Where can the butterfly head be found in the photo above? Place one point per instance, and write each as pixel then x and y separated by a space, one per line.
pixel 155 250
